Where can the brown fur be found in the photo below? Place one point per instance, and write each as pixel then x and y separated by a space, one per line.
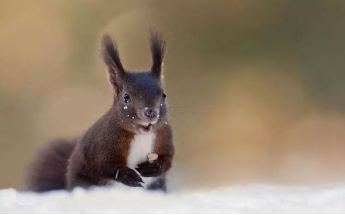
pixel 101 153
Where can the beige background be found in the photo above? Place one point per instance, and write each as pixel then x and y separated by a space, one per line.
pixel 257 87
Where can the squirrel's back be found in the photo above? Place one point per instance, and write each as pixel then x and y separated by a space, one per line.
pixel 48 171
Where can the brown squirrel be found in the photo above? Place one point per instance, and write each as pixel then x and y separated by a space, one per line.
pixel 115 148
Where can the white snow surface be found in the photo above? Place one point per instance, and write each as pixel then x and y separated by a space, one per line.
pixel 236 199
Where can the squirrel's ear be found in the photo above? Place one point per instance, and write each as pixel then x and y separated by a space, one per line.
pixel 112 61
pixel 157 45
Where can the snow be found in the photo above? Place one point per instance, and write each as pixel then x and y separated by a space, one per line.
pixel 236 199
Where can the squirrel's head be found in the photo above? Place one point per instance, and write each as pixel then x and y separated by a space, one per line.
pixel 139 98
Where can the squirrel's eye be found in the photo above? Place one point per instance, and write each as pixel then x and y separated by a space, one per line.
pixel 127 99
pixel 164 97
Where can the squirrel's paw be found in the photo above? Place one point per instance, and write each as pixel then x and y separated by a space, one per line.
pixel 128 177
pixel 150 168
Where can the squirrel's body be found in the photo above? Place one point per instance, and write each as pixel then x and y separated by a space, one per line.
pixel 115 149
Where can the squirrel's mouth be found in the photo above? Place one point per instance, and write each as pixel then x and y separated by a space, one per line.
pixel 145 128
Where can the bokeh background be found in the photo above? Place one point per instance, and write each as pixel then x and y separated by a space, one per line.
pixel 256 87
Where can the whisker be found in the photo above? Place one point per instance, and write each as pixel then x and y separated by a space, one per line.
pixel 191 107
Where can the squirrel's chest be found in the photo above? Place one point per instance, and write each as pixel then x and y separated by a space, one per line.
pixel 141 146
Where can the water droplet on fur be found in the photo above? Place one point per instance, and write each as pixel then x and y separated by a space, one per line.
pixel 127 115
pixel 166 123
pixel 125 107
pixel 132 117
pixel 146 108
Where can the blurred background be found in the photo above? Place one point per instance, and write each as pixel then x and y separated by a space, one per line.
pixel 256 87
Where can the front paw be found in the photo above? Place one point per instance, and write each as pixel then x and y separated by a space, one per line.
pixel 128 177
pixel 150 169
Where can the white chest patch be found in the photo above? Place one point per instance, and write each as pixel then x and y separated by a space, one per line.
pixel 141 146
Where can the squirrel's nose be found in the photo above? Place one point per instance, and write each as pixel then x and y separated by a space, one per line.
pixel 150 113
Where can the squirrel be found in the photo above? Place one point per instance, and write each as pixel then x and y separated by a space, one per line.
pixel 115 149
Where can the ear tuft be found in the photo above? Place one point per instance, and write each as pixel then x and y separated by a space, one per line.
pixel 112 61
pixel 157 45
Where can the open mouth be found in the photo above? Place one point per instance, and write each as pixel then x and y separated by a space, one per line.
pixel 145 128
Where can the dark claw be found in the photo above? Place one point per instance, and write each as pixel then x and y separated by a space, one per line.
pixel 129 177
pixel 141 180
